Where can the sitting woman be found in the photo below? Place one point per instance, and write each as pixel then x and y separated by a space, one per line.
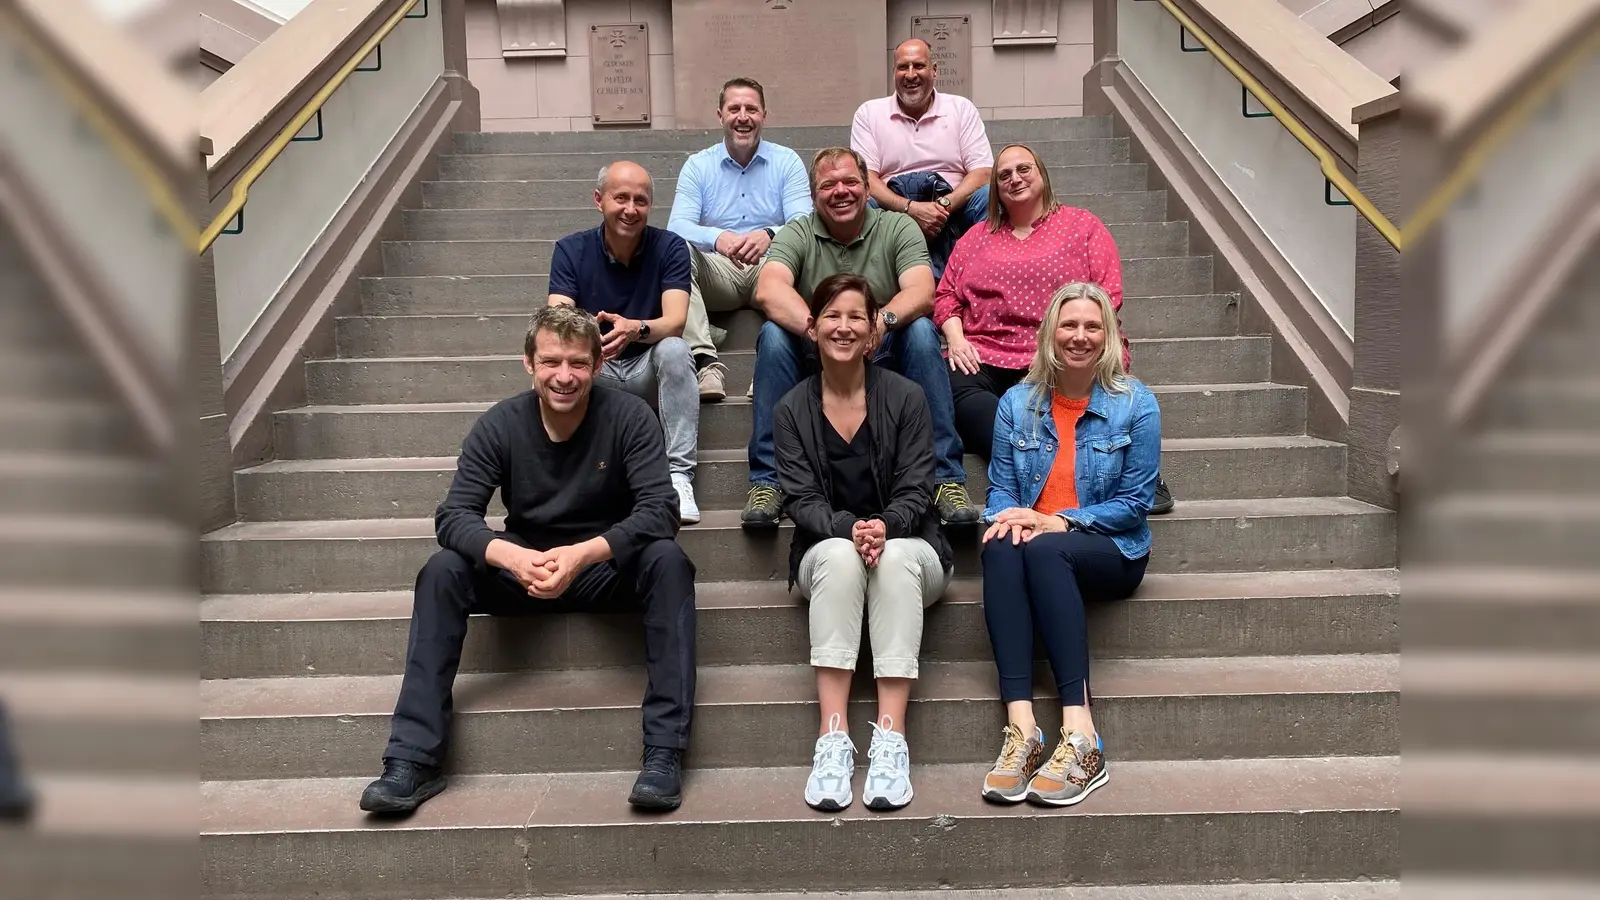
pixel 855 460
pixel 1065 527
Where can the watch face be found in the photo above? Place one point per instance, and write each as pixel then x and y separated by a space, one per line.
pixel 944 202
pixel 890 319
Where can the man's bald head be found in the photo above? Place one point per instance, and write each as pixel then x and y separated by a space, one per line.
pixel 623 193
pixel 915 73
pixel 624 173
pixel 910 44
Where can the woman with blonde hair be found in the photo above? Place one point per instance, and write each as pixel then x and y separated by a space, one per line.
pixel 1064 527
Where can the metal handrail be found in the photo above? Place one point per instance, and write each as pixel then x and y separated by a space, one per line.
pixel 156 186
pixel 1325 156
pixel 241 185
pixel 1479 153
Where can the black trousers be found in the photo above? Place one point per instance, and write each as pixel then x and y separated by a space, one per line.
pixel 977 398
pixel 450 587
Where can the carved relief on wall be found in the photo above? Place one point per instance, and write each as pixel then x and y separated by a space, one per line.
pixel 532 27
pixel 1026 22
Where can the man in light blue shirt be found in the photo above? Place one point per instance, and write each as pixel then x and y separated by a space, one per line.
pixel 732 199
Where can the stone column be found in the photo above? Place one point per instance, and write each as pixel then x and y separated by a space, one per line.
pixel 1375 387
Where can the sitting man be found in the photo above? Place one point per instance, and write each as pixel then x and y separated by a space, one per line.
pixel 579 534
pixel 732 199
pixel 844 235
pixel 634 279
pixel 927 153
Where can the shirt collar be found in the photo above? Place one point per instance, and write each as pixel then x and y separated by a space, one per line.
pixel 638 252
pixel 822 233
pixel 936 108
pixel 725 157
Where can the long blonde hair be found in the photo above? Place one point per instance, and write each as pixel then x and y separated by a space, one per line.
pixel 998 217
pixel 1109 369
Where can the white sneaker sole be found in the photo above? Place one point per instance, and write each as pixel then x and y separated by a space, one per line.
pixel 885 804
pixel 829 804
pixel 1094 784
pixel 688 518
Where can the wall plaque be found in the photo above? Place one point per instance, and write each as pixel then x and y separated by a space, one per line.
pixel 950 38
pixel 619 74
pixel 816 59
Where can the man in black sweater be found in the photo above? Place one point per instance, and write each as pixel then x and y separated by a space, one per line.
pixel 592 517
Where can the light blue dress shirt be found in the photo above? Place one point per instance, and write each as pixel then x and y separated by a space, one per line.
pixel 715 194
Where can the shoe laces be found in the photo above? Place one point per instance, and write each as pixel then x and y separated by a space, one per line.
pixel 763 495
pixel 1063 759
pixel 659 760
pixel 888 746
pixel 953 494
pixel 835 753
pixel 1013 751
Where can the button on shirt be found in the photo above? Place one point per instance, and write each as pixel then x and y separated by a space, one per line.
pixel 889 245
pixel 949 138
pixel 716 194
pixel 582 268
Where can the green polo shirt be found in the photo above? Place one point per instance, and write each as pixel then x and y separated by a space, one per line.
pixel 889 245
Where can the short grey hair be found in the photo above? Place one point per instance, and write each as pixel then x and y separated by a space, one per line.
pixel 605 173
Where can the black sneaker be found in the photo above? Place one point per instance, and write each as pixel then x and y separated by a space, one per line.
pixel 660 782
pixel 16 800
pixel 951 501
pixel 403 787
pixel 762 508
pixel 1164 502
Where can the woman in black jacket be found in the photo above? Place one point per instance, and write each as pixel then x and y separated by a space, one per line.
pixel 855 461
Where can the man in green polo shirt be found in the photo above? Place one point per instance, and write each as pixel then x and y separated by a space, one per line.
pixel 843 234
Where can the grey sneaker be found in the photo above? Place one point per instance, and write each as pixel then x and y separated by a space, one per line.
pixel 1074 771
pixel 832 765
pixel 950 500
pixel 1020 757
pixel 888 770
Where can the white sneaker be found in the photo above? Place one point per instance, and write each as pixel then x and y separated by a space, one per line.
pixel 688 510
pixel 888 770
pixel 832 764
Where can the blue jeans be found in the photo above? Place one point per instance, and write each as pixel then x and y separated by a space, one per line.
pixel 927 186
pixel 784 359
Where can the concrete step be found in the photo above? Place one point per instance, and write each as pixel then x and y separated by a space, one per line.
pixel 78 484
pixel 1200 536
pixel 33 425
pixel 550 224
pixel 512 194
pixel 1211 315
pixel 509 257
pixel 576 720
pixel 442 379
pixel 1506 608
pixel 436 429
pixel 1511 528
pixel 1348 890
pixel 665 163
pixel 1323 819
pixel 1540 462
pixel 110 630
pixel 739 623
pixel 94 551
pixel 407 487
pixel 32 373
pixel 472 294
pixel 1544 404
pixel 1545 703
pixel 106 722
pixel 687 139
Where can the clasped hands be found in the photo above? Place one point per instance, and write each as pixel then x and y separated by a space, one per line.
pixel 624 331
pixel 744 249
pixel 868 536
pixel 545 574
pixel 1023 525
pixel 929 216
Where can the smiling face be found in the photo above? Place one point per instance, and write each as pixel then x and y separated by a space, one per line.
pixel 1020 179
pixel 914 75
pixel 742 116
pixel 843 332
pixel 563 372
pixel 841 191
pixel 1080 334
pixel 624 200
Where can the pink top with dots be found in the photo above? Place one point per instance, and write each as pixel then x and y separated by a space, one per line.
pixel 999 285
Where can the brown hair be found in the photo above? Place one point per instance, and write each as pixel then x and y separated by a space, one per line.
pixel 997 210
pixel 828 155
pixel 743 82
pixel 567 323
pixel 829 289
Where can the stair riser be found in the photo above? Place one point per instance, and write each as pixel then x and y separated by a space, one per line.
pixel 1555 411
pixel 899 852
pixel 1538 540
pixel 93 563
pixel 112 492
pixel 127 746
pixel 1539 472
pixel 1334 541
pixel 766 635
pixel 66 646
pixel 500 256
pixel 1560 726
pixel 1231 474
pixel 664 163
pixel 577 192
pixel 1274 410
pixel 46 430
pixel 478 379
pixel 1516 625
pixel 632 141
pixel 26 376
pixel 550 224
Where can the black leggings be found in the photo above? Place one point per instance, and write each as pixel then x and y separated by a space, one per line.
pixel 977 397
pixel 1042 585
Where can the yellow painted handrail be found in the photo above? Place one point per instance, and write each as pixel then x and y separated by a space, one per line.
pixel 241 185
pixel 156 186
pixel 1325 157
pixel 1483 148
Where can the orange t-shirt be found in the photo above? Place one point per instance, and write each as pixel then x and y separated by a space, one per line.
pixel 1060 490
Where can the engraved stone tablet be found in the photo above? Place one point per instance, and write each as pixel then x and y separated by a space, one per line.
pixel 950 37
pixel 816 59
pixel 619 74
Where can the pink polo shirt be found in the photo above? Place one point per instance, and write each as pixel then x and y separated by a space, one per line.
pixel 948 139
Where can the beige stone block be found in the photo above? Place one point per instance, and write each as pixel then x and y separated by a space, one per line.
pixel 553 124
pixel 658 15
pixel 1054 75
pixel 661 93
pixel 981 13
pixel 998 77
pixel 507 88
pixel 592 12
pixel 483 29
pixel 900 13
pixel 1077 22
pixel 1035 112
pixel 563 86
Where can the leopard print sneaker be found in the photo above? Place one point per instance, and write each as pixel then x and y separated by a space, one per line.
pixel 1074 771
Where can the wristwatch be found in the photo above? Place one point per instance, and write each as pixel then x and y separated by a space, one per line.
pixel 644 331
pixel 943 201
pixel 890 319
pixel 770 233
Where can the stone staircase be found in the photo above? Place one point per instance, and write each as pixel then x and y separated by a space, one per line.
pixel 1249 694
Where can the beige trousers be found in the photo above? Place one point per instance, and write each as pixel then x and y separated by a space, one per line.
pixel 840 587
pixel 717 285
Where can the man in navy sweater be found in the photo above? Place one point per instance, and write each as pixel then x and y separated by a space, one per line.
pixel 591 521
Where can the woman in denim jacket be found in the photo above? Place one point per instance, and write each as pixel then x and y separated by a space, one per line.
pixel 1063 528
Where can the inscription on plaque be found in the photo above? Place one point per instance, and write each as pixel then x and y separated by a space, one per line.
pixel 950 38
pixel 816 59
pixel 619 74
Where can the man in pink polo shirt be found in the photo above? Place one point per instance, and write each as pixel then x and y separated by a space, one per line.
pixel 927 153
